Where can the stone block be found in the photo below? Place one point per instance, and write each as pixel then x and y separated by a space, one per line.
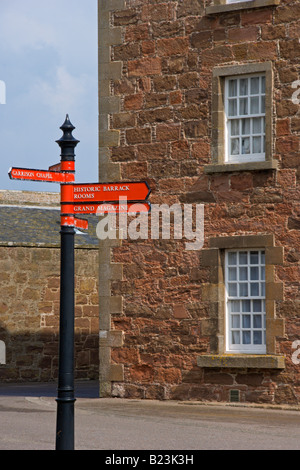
pixel 116 373
pixel 109 138
pixel 274 290
pixel 274 255
pixel 111 5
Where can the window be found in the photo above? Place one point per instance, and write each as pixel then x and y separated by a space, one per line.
pixel 242 101
pixel 245 299
pixel 245 118
pixel 241 298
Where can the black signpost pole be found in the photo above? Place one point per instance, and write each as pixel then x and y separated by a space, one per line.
pixel 64 173
pixel 65 392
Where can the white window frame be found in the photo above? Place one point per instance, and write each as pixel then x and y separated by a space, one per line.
pixel 252 119
pixel 239 326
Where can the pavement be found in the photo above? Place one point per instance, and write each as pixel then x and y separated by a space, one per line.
pixel 119 427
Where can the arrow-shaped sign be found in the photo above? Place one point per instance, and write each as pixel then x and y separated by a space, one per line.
pixel 40 175
pixel 105 192
pixel 105 208
pixel 81 223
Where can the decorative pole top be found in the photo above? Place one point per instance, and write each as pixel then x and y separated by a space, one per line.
pixel 67 142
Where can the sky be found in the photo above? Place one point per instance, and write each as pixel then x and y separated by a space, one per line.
pixel 48 69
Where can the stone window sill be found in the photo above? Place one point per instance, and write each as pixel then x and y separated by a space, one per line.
pixel 249 166
pixel 242 361
pixel 213 9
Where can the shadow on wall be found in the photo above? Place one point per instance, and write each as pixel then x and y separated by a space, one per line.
pixel 33 357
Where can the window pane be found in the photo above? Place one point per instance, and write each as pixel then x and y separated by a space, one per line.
pixel 243 86
pixel 256 125
pixel 257 306
pixel 254 289
pixel 246 306
pixel 262 273
pixel 235 147
pixel 257 323
pixel 254 105
pixel 232 289
pixel 235 337
pixel 254 273
pixel 254 257
pixel 245 145
pixel 243 106
pixel 263 84
pixel 246 321
pixel 232 88
pixel 243 289
pixel 246 337
pixel 232 275
pixel 235 127
pixel 235 321
pixel 254 86
pixel 243 258
pixel 232 258
pixel 232 108
pixel 257 337
pixel 257 145
pixel 234 305
pixel 245 126
pixel 243 274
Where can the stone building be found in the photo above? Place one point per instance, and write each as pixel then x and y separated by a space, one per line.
pixel 30 285
pixel 200 99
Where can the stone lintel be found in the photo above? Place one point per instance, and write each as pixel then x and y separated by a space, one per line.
pixel 245 241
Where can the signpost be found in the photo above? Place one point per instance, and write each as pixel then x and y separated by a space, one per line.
pixel 87 198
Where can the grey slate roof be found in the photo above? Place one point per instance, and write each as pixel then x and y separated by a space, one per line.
pixel 38 225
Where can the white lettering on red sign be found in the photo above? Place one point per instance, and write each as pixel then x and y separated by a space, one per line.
pixel 90 189
pixel 28 174
pixel 82 189
pixel 44 176
pixel 84 208
pixel 84 196
pixel 115 188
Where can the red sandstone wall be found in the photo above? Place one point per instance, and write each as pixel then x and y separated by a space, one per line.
pixel 169 50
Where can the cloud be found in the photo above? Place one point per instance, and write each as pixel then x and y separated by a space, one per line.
pixel 18 31
pixel 48 56
pixel 65 92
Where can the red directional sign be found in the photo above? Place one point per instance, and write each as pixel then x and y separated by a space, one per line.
pixel 40 175
pixel 105 192
pixel 81 223
pixel 104 208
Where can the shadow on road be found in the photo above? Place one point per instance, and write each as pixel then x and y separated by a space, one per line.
pixel 84 389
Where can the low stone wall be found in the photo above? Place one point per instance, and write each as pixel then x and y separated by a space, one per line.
pixel 30 290
pixel 29 313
